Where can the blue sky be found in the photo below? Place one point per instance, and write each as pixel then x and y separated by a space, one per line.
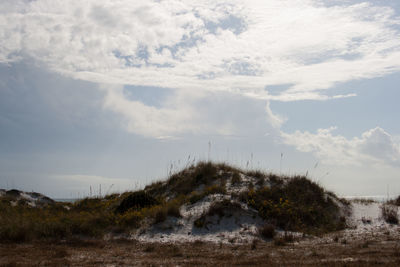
pixel 114 93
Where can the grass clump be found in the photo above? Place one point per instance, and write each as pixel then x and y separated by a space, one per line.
pixel 131 219
pixel 260 176
pixel 267 231
pixel 173 209
pixel 389 214
pixel 236 178
pixel 283 240
pixel 296 204
pixel 220 208
pixel 395 201
pixel 223 208
pixel 160 214
pixel 200 222
pixel 187 180
pixel 213 189
pixel 137 200
pixel 364 201
pixel 194 197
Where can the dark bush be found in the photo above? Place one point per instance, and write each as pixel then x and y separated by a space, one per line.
pixel 136 200
pixel 200 222
pixel 397 201
pixel 282 240
pixel 259 175
pixel 205 172
pixel 160 215
pixel 236 178
pixel 389 214
pixel 223 208
pixel 215 189
pixel 194 197
pixel 130 219
pixel 173 210
pixel 13 193
pixel 267 231
pixel 185 181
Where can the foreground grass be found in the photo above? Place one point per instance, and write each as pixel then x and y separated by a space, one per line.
pixel 378 251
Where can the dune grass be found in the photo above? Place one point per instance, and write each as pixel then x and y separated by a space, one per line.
pixel 296 204
pixel 289 203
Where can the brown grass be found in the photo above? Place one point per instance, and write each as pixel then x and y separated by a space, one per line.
pixel 128 253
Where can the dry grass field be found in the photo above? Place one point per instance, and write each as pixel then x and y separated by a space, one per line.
pixel 332 250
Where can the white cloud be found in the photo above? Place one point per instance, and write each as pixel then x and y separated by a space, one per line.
pixel 216 114
pixel 375 146
pixel 274 119
pixel 149 120
pixel 240 46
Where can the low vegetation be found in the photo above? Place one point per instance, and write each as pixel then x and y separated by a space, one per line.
pixel 267 231
pixel 286 203
pixel 284 239
pixel 296 204
pixel 389 213
pixel 219 208
pixel 364 201
pixel 395 201
pixel 132 253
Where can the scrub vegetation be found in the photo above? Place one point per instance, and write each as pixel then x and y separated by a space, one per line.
pixel 284 203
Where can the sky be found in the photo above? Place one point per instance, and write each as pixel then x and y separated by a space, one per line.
pixel 106 96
